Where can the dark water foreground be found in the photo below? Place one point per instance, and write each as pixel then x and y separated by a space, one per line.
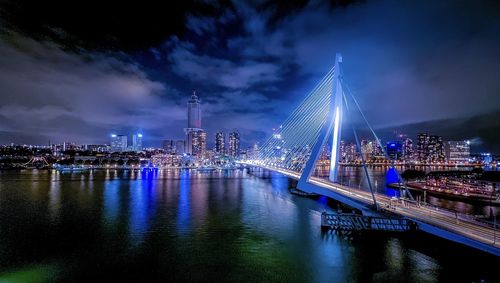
pixel 189 226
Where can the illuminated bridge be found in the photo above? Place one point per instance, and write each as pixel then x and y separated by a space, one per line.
pixel 310 138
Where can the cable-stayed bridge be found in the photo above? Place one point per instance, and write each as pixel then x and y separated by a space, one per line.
pixel 310 138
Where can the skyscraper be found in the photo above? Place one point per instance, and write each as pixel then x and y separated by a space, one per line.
pixel 137 142
pixel 194 112
pixel 220 141
pixel 194 122
pixel 430 149
pixel 394 150
pixel 422 147
pixel 435 149
pixel 234 144
pixel 458 151
pixel 199 142
pixel 118 143
pixel 407 149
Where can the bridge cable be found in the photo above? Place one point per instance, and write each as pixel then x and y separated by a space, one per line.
pixel 358 144
pixel 400 179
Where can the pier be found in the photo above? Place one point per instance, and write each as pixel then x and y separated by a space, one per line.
pixel 359 223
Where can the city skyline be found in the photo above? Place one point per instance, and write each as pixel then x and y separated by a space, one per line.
pixel 249 67
pixel 250 141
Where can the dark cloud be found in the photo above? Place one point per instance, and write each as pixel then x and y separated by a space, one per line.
pixel 44 87
pixel 481 130
pixel 134 67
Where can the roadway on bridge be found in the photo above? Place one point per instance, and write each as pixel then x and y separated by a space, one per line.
pixel 430 215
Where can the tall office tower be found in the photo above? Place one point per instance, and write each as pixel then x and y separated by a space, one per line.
pixel 234 144
pixel 352 153
pixel 220 141
pixel 342 150
pixel 458 151
pixel 394 150
pixel 378 149
pixel 369 149
pixel 407 149
pixel 137 142
pixel 169 146
pixel 194 122
pixel 435 149
pixel 194 112
pixel 254 152
pixel 422 147
pixel 198 142
pixel 118 143
pixel 440 149
pixel 180 147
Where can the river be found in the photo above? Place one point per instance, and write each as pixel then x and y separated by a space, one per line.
pixel 191 226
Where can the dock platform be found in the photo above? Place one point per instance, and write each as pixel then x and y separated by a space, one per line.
pixel 358 223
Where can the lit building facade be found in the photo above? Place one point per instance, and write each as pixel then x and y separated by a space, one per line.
pixel 394 150
pixel 220 142
pixel 435 149
pixel 234 144
pixel 458 151
pixel 118 143
pixel 198 142
pixel 348 152
pixel 137 142
pixel 407 150
pixel 430 149
pixel 193 125
pixel 422 147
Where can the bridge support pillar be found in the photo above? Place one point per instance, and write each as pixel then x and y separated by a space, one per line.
pixel 333 125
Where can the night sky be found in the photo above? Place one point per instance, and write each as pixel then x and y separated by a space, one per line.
pixel 80 70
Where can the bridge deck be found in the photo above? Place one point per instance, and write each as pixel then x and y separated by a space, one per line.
pixel 432 220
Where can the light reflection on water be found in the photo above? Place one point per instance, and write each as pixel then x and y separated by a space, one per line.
pixel 186 225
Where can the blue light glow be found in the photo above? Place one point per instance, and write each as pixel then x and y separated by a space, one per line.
pixel 184 206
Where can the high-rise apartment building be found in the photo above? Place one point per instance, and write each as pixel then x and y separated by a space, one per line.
pixel 458 151
pixel 407 149
pixel 435 149
pixel 234 144
pixel 198 142
pixel 430 149
pixel 422 147
pixel 137 142
pixel 118 143
pixel 220 141
pixel 394 150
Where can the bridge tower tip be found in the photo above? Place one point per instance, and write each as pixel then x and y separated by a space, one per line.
pixel 338 57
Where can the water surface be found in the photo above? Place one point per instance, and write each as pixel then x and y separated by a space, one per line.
pixel 190 226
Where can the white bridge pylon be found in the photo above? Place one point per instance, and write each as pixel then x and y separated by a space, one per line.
pixel 333 123
pixel 312 128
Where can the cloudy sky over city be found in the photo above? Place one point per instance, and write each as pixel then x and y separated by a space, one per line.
pixel 77 72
